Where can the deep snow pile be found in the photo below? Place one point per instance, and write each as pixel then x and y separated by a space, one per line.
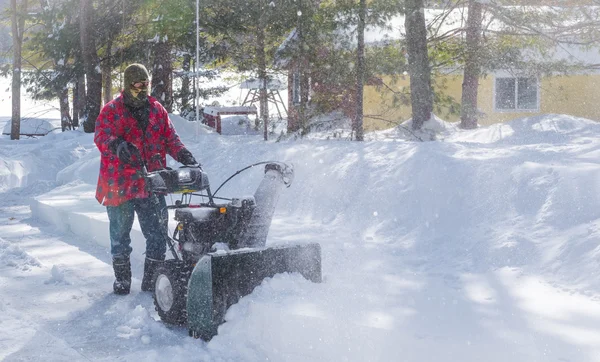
pixel 482 245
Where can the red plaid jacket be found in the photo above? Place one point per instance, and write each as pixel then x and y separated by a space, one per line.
pixel 119 182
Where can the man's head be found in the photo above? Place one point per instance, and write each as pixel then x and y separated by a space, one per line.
pixel 136 81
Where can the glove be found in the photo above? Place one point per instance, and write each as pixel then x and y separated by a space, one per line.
pixel 123 149
pixel 185 157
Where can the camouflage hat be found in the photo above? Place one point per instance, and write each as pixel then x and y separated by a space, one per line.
pixel 135 73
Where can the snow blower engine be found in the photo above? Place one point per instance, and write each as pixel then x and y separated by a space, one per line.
pixel 218 248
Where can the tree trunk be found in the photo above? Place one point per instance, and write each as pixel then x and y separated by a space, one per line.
pixel 304 93
pixel 92 68
pixel 472 71
pixel 195 104
pixel 75 101
pixel 304 78
pixel 185 83
pixel 162 75
pixel 78 99
pixel 418 63
pixel 65 116
pixel 18 26
pixel 357 125
pixel 293 122
pixel 262 76
pixel 107 73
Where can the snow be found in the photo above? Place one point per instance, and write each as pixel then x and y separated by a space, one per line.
pixel 31 126
pixel 272 84
pixel 482 245
pixel 216 110
pixel 35 115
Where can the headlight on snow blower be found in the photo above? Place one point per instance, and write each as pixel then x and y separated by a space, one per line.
pixel 191 180
pixel 184 175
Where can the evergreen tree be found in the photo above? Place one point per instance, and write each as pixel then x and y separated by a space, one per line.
pixel 57 44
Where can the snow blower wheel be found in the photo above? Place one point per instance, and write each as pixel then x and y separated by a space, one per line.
pixel 170 292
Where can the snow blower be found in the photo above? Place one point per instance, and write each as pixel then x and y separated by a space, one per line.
pixel 218 247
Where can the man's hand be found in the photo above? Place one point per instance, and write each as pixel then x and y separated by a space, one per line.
pixel 123 150
pixel 185 157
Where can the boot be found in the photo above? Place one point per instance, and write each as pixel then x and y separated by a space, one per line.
pixel 122 268
pixel 150 266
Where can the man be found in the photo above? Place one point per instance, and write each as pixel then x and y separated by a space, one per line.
pixel 131 130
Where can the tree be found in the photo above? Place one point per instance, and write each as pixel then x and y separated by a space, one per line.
pixel 418 63
pixel 91 63
pixel 107 71
pixel 357 125
pixel 254 31
pixel 297 56
pixel 168 29
pixel 330 43
pixel 18 28
pixel 162 73
pixel 56 43
pixel 261 62
pixel 472 70
pixel 166 21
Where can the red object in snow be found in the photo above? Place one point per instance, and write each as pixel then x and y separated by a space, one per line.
pixel 212 114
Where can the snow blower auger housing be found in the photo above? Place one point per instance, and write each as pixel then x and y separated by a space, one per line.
pixel 198 285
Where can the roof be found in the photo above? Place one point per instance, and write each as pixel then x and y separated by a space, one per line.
pixel 282 59
pixel 274 84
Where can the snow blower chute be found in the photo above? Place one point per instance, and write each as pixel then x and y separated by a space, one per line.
pixel 218 248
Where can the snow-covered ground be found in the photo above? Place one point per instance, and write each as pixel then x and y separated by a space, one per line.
pixel 481 246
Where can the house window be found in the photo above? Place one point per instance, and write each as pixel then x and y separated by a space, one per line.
pixel 516 94
pixel 296 88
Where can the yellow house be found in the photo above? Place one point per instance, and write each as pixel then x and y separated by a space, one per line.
pixel 501 97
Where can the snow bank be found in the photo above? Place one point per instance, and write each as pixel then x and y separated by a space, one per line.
pixel 73 208
pixel 27 161
pixel 32 127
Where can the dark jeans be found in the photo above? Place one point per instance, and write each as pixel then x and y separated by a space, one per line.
pixel 121 220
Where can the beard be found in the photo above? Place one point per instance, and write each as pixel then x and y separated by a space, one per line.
pixel 136 97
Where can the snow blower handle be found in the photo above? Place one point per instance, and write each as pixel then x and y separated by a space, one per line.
pixel 197 165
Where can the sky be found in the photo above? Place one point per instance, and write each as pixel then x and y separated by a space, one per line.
pixel 482 245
